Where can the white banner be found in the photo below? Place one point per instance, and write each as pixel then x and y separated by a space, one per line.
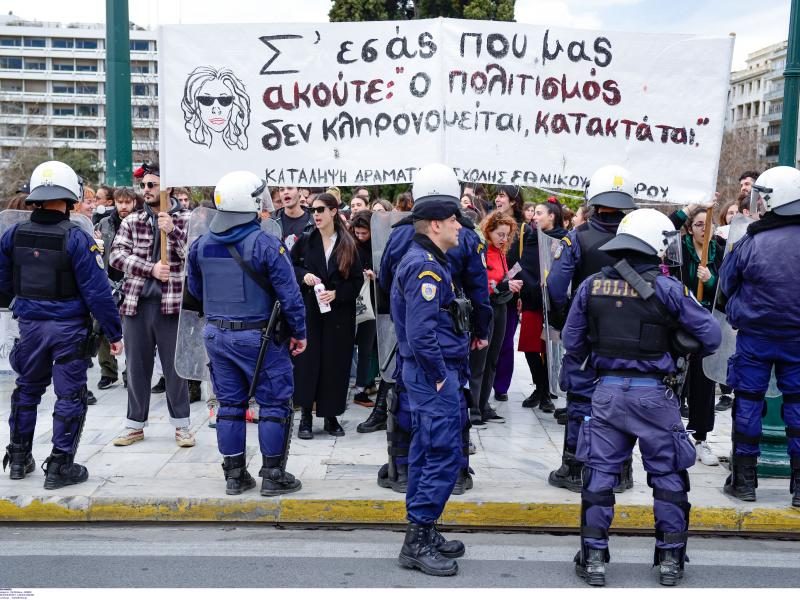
pixel 368 103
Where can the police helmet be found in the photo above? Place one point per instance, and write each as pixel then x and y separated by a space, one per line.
pixel 649 232
pixel 611 186
pixel 437 194
pixel 238 198
pixel 777 190
pixel 55 180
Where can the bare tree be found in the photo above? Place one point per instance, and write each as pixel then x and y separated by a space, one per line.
pixel 740 152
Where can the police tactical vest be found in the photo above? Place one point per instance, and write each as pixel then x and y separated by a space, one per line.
pixel 227 289
pixel 622 324
pixel 42 266
pixel 592 259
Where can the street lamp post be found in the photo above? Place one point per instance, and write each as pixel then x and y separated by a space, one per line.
pixel 118 94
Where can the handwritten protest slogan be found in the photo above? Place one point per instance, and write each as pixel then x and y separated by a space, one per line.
pixel 369 103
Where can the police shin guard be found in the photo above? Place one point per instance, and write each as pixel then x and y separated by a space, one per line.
pixel 568 475
pixel 237 478
pixel 464 481
pixel 625 476
pixel 276 480
pixel 670 561
pixel 794 482
pixel 60 467
pixel 743 480
pixel 420 552
pixel 394 474
pixel 590 563
pixel 376 421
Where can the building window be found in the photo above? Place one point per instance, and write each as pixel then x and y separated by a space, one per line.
pixel 10 62
pixel 87 134
pixel 87 110
pixel 139 45
pixel 34 42
pixel 64 110
pixel 11 85
pixel 86 44
pixel 86 67
pixel 63 43
pixel 63 88
pixel 142 68
pixel 141 112
pixel 139 89
pixel 35 65
pixel 35 109
pixel 11 108
pixel 64 132
pixel 86 88
pixel 63 66
pixel 13 130
pixel 10 41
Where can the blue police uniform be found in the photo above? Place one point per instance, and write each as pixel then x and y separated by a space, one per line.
pixel 237 308
pixel 431 352
pixel 468 272
pixel 764 306
pixel 54 271
pixel 577 258
pixel 627 342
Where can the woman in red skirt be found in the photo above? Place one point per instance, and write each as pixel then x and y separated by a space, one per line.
pixel 548 218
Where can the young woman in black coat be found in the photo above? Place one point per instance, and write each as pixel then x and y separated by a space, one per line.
pixel 326 255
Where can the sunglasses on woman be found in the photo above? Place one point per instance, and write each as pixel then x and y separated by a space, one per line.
pixel 209 100
pixel 318 210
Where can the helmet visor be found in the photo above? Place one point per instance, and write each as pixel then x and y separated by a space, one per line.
pixel 673 255
pixel 758 205
pixel 265 198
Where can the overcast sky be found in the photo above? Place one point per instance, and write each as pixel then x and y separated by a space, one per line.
pixel 757 23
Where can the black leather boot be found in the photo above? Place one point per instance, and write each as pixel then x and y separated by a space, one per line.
pixel 560 415
pixel 448 549
pixel 743 480
pixel 400 485
pixel 463 483
pixel 276 480
pixel 376 421
pixel 61 469
pixel 21 460
pixel 304 430
pixel 418 552
pixel 545 402
pixel 794 482
pixel 625 477
pixel 568 475
pixel 237 478
pixel 332 427
pixel 590 565
pixel 670 565
pixel 195 394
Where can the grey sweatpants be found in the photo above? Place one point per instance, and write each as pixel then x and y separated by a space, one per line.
pixel 143 333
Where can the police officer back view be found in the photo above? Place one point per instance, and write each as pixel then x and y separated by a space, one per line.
pixel 239 271
pixel 54 271
pixel 764 305
pixel 627 321
pixel 610 191
pixel 433 345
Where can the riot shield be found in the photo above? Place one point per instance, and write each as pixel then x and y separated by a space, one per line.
pixel 715 366
pixel 551 336
pixel 9 218
pixel 191 360
pixel 8 326
pixel 380 229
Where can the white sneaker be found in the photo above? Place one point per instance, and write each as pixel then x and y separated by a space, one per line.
pixel 705 455
pixel 183 437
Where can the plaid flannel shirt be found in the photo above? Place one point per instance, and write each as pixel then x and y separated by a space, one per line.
pixel 132 251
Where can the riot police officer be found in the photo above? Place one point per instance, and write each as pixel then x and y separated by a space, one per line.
pixel 610 191
pixel 628 322
pixel 764 305
pixel 239 271
pixel 54 271
pixel 468 271
pixel 433 344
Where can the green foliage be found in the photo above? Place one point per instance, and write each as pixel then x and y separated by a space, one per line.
pixel 358 10
pixel 394 10
pixel 83 162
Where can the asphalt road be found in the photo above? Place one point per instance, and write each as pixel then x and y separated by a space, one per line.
pixel 263 556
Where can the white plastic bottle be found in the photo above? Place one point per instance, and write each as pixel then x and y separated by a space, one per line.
pixel 324 307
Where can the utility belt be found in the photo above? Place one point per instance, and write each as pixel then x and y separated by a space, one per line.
pixel 632 377
pixel 237 325
pixel 460 311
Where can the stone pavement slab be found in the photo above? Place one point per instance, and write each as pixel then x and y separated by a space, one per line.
pixel 154 480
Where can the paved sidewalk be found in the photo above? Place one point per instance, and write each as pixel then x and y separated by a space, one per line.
pixel 154 480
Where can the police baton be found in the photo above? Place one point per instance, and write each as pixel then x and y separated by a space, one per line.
pixel 266 337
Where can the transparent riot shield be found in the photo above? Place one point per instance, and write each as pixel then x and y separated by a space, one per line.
pixel 551 336
pixel 9 330
pixel 380 229
pixel 191 360
pixel 715 366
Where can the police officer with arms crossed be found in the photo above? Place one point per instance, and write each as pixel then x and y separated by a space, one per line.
pixel 610 191
pixel 433 344
pixel 239 271
pixel 54 271
pixel 629 323
pixel 764 305
pixel 467 266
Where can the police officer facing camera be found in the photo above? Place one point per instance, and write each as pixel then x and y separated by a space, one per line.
pixel 239 271
pixel 433 344
pixel 610 191
pixel 622 323
pixel 54 271
pixel 764 305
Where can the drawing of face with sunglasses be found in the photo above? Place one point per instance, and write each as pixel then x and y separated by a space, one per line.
pixel 215 104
